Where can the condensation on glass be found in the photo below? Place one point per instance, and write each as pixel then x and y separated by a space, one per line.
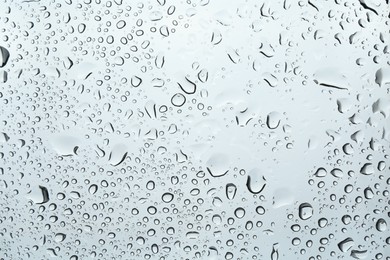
pixel 197 129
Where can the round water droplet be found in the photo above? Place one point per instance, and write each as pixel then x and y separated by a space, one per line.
pixel 381 165
pixel 260 210
pixel 178 100
pixel 296 241
pixel 217 202
pixel 120 24
pixel 348 149
pixel 322 222
pixel 150 185
pixel 346 219
pixel 167 197
pixel 295 228
pixel 217 220
pixel 239 213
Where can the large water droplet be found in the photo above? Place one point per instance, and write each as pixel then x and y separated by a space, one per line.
pixel 39 195
pixel 255 181
pixel 217 165
pixel 346 244
pixel 118 154
pixel 359 254
pixel 273 120
pixel 167 197
pixel 231 191
pixel 381 225
pixel 4 56
pixel 275 252
pixel 321 172
pixel 60 237
pixel 367 169
pixel 239 213
pixel 178 100
pixel 65 145
pixel 305 211
pixel 93 189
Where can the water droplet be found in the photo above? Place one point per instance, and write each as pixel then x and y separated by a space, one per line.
pixel 159 61
pixel 187 86
pixel 178 100
pixel 305 211
pixel 60 237
pixel 331 78
pixel 346 244
pixel 4 56
pixel 322 222
pixel 118 154
pixel 337 173
pixel 93 189
pixel 65 145
pixel 231 191
pixel 39 195
pixel 321 172
pixel 348 149
pixel 367 169
pixel 120 24
pixel 216 165
pixel 136 81
pixel 275 252
pixel 239 213
pixel 260 210
pixel 368 193
pixel 273 120
pixel 81 27
pixel 255 181
pixel 359 254
pixel 382 76
pixel 4 137
pixel 381 225
pixel 167 197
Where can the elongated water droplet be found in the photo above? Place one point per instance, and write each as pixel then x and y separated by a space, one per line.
pixel 4 56
pixel 93 189
pixel 367 169
pixel 381 225
pixel 231 191
pixel 275 252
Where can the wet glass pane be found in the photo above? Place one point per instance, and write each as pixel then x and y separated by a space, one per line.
pixel 197 129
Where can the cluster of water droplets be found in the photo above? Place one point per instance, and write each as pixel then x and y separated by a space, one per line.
pixel 195 129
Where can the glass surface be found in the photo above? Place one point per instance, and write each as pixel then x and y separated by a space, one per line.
pixel 197 129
